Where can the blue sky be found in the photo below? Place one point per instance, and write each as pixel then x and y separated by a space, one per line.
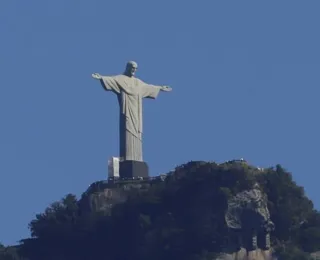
pixel 245 78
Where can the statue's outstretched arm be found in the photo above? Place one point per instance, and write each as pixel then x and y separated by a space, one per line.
pixel 96 76
pixel 108 83
pixel 165 88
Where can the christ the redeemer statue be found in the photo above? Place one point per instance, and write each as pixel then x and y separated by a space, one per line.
pixel 130 92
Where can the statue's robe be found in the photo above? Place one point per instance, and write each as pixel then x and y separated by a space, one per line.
pixel 130 92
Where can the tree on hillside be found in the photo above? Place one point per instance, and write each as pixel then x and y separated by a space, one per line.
pixel 9 253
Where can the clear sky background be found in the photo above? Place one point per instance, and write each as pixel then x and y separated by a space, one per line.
pixel 245 78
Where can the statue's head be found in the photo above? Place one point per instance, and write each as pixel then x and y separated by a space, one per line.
pixel 131 69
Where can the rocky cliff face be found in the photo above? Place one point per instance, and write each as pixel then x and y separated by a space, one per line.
pixel 249 224
pixel 101 195
pixel 243 254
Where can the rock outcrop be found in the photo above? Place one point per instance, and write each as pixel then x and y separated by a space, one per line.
pixel 101 196
pixel 249 223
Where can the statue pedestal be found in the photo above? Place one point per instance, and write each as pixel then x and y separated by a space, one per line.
pixel 133 169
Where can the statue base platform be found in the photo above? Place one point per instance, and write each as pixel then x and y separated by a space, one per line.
pixel 133 169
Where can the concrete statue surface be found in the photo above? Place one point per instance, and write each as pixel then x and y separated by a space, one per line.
pixel 130 92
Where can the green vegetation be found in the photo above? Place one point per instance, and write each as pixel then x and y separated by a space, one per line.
pixel 181 217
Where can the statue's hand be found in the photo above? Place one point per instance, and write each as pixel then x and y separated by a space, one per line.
pixel 166 88
pixel 96 76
